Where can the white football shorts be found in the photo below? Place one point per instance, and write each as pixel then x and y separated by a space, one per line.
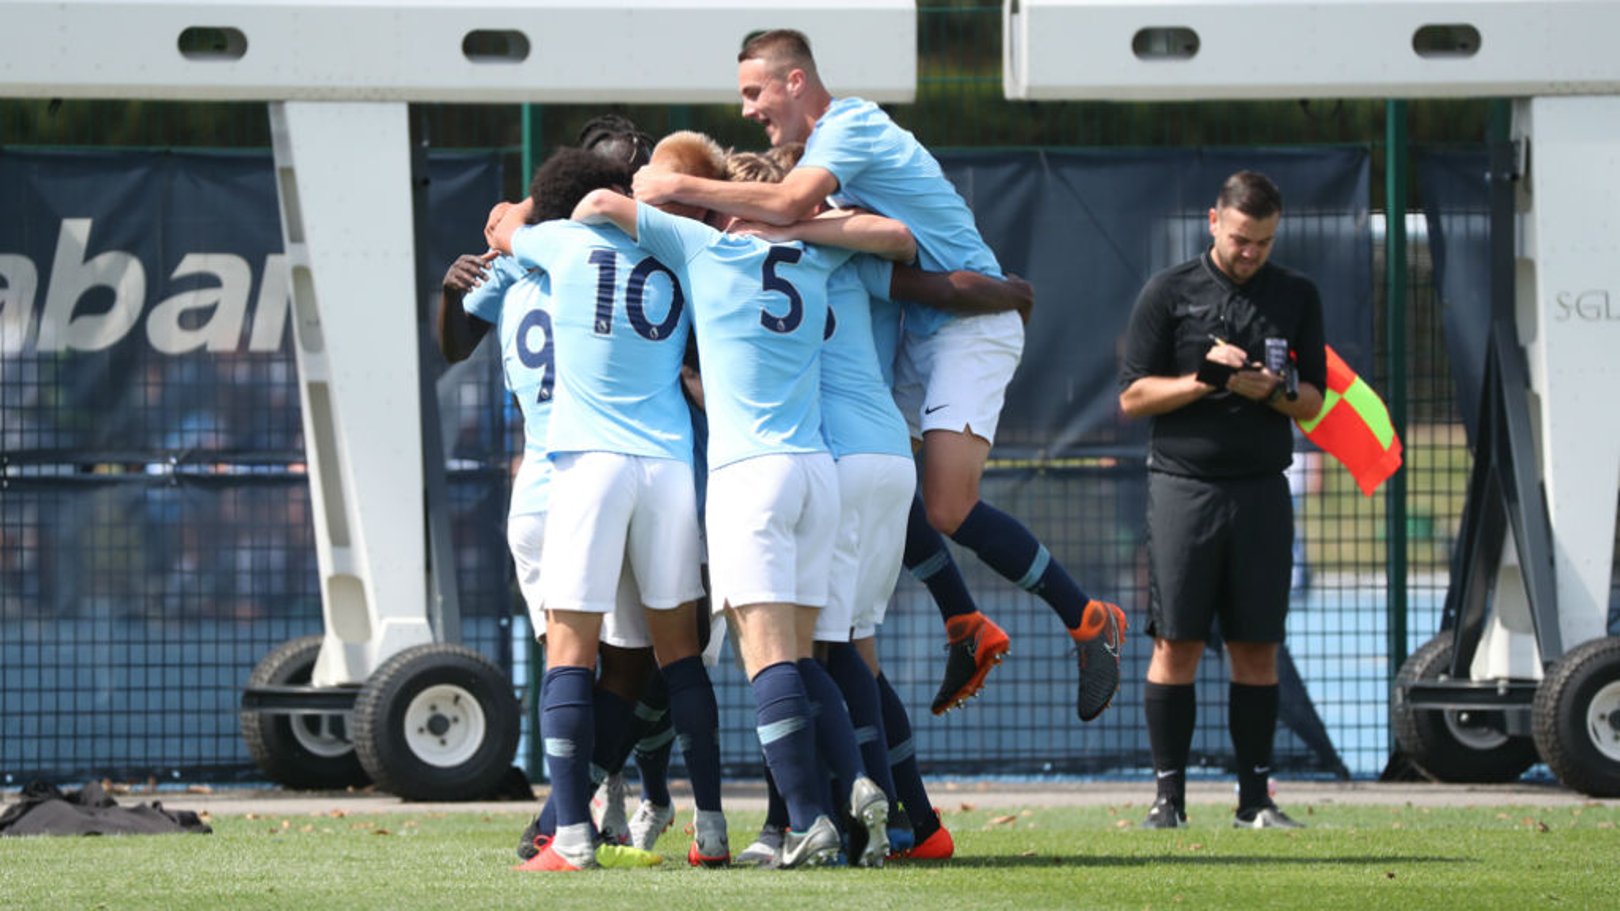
pixel 624 626
pixel 876 492
pixel 771 523
pixel 956 379
pixel 608 509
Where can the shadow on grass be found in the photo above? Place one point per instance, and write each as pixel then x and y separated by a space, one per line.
pixel 1185 859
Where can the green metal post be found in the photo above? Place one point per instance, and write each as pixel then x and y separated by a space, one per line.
pixel 1396 163
pixel 533 149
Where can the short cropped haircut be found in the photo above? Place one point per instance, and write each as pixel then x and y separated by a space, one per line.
pixel 616 137
pixel 753 166
pixel 567 176
pixel 1251 193
pixel 787 154
pixel 693 154
pixel 782 49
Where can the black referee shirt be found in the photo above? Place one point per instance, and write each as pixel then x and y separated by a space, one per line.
pixel 1222 435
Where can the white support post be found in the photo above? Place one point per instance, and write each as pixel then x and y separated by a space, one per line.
pixel 1569 318
pixel 343 177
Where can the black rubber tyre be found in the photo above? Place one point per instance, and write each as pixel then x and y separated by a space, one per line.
pixel 1576 718
pixel 437 722
pixel 309 752
pixel 1449 745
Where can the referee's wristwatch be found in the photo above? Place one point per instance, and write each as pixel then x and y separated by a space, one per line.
pixel 1275 394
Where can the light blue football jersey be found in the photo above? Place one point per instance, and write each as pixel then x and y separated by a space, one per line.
pixel 621 323
pixel 882 167
pixel 517 304
pixel 858 414
pixel 759 311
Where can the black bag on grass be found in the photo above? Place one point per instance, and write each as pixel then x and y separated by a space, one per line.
pixel 45 810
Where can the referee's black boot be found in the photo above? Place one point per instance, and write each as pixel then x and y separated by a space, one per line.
pixel 1165 814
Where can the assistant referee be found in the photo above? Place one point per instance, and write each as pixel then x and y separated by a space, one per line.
pixel 1222 351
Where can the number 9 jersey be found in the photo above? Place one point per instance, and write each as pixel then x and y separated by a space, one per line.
pixel 518 304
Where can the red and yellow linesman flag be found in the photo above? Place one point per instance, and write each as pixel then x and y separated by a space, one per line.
pixel 1354 427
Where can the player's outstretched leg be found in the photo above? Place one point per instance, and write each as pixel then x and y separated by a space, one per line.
pixel 1097 627
pixel 974 643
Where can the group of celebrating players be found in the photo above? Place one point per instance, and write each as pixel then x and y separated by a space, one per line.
pixel 732 369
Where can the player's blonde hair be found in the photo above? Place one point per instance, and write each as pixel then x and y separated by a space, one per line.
pixel 786 155
pixel 692 153
pixel 753 166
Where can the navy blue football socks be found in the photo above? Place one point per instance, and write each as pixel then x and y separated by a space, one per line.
pixel 1007 547
pixel 654 735
pixel 696 718
pixel 908 783
pixel 929 561
pixel 835 733
pixel 566 720
pixel 782 718
pixel 860 689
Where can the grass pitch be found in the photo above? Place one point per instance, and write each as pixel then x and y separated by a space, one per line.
pixel 1095 857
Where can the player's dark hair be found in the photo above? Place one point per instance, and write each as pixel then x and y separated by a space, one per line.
pixel 782 49
pixel 689 358
pixel 617 137
pixel 1251 193
pixel 567 176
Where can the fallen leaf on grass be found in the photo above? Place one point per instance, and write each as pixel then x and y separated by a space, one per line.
pixel 1002 820
pixel 1605 824
pixel 380 831
pixel 251 816
pixel 969 807
pixel 1123 823
pixel 1029 853
pixel 337 814
pixel 1389 874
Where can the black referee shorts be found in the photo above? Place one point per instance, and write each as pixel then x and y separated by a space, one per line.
pixel 1219 549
